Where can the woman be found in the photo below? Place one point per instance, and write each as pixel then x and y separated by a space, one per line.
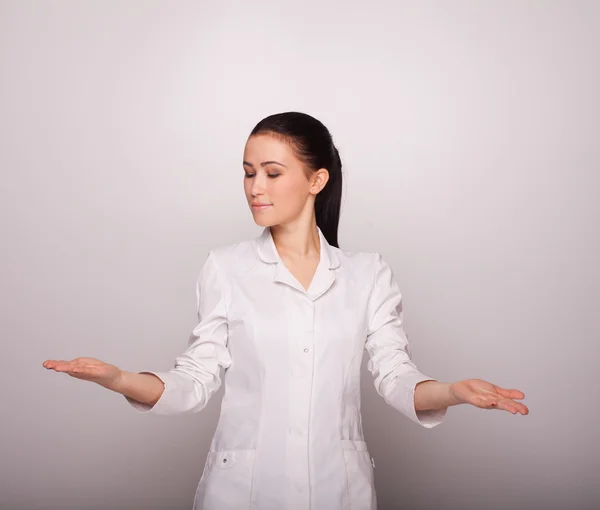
pixel 288 315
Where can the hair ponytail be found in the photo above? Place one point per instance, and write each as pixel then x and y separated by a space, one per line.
pixel 329 201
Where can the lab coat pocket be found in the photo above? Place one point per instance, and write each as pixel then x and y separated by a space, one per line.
pixel 226 482
pixel 359 475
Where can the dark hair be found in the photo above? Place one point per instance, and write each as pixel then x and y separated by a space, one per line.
pixel 313 144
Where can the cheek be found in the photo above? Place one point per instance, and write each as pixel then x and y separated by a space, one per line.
pixel 292 191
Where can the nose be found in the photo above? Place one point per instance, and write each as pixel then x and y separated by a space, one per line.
pixel 258 186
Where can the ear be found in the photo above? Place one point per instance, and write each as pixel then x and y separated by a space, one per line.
pixel 318 180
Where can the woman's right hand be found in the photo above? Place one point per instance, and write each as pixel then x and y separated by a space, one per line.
pixel 88 369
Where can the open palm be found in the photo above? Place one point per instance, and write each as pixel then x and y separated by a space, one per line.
pixel 488 396
pixel 89 369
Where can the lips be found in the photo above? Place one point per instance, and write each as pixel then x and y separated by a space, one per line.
pixel 260 207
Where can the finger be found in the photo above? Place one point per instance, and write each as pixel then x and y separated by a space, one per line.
pixel 60 365
pixel 523 409
pixel 71 368
pixel 514 394
pixel 51 363
pixel 518 406
pixel 510 393
pixel 513 407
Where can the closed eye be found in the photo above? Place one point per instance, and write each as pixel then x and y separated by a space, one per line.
pixel 250 175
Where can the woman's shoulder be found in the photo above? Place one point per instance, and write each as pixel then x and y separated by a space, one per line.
pixel 364 262
pixel 233 253
pixel 358 254
pixel 354 257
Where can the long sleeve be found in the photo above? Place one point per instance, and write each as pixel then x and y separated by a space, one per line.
pixel 395 374
pixel 196 374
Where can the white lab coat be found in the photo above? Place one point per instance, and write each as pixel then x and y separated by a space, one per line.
pixel 290 435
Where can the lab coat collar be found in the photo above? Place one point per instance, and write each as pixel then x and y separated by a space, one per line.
pixel 323 277
pixel 267 252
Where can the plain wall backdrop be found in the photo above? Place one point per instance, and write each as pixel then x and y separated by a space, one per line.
pixel 469 132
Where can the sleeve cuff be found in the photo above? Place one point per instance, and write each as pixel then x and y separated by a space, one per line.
pixel 146 408
pixel 403 390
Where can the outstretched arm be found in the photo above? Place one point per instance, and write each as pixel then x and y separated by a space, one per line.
pixel 398 379
pixel 145 388
pixel 434 395
pixel 196 374
pixel 396 376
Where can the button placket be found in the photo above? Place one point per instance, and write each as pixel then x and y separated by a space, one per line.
pixel 300 385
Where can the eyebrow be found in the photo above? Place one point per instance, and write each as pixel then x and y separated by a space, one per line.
pixel 265 163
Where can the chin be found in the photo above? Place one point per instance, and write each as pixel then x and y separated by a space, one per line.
pixel 263 222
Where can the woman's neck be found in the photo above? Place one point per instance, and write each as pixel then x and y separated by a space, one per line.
pixel 297 240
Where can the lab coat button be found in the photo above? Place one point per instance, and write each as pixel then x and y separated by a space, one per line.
pixel 305 349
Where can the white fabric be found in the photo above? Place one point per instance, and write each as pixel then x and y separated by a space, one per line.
pixel 290 433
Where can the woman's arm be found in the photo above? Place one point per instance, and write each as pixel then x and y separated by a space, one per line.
pixel 395 374
pixel 196 375
pixel 142 387
pixel 434 395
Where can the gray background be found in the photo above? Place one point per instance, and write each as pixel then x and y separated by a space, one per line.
pixel 469 132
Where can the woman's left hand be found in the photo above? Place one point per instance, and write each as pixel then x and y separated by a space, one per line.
pixel 486 395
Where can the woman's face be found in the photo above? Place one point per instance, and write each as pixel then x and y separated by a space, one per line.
pixel 275 182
